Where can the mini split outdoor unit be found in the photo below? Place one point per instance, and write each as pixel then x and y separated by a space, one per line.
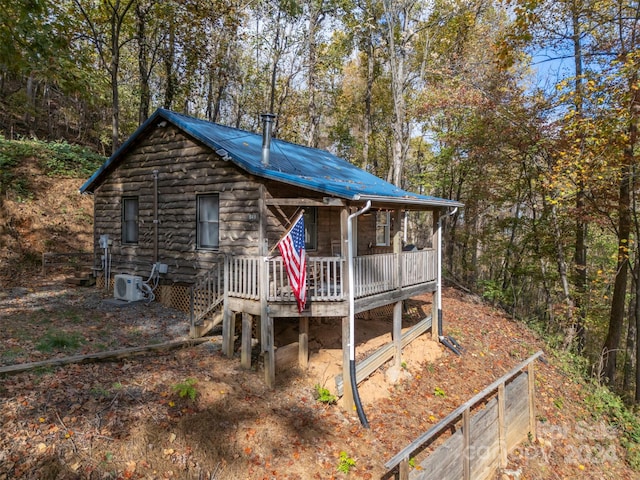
pixel 128 287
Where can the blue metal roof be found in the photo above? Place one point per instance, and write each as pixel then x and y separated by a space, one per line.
pixel 306 167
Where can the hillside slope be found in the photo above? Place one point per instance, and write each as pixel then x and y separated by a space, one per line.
pixel 41 209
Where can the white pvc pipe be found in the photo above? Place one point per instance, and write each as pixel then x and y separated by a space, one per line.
pixel 352 346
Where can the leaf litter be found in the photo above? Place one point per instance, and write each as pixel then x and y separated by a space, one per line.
pixel 125 420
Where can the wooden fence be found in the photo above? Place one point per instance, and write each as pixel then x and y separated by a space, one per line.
pixel 75 260
pixel 503 416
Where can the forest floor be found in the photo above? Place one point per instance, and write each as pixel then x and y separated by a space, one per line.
pixel 125 419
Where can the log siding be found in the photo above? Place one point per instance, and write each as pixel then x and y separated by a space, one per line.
pixel 185 169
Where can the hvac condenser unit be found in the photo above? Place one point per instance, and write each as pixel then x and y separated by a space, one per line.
pixel 128 287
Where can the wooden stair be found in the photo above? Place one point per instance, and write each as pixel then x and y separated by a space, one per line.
pixel 82 278
pixel 198 331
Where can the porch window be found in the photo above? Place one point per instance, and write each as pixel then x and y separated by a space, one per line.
pixel 311 228
pixel 382 229
pixel 130 220
pixel 208 226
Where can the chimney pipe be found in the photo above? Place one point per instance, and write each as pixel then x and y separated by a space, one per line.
pixel 267 123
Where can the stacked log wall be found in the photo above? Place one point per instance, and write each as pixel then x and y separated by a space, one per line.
pixel 186 169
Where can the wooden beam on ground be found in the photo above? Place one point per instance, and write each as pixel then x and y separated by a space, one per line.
pixel 101 356
pixel 378 358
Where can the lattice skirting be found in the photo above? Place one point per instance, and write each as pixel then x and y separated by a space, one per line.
pixel 172 296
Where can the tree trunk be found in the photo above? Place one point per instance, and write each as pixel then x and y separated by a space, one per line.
pixel 580 256
pixel 115 99
pixel 143 64
pixel 630 353
pixel 315 20
pixel 169 58
pixel 366 141
pixel 618 302
pixel 397 19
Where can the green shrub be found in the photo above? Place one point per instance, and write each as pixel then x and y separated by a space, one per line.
pixel 346 463
pixel 186 388
pixel 324 396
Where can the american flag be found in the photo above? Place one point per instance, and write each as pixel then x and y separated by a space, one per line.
pixel 295 261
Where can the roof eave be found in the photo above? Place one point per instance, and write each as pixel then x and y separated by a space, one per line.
pixel 412 201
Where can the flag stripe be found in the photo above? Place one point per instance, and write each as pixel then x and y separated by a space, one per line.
pixel 295 261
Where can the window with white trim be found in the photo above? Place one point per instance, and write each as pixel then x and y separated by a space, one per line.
pixel 208 225
pixel 311 228
pixel 130 220
pixel 383 228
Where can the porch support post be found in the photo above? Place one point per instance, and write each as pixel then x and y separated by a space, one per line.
pixel 397 308
pixel 347 396
pixel 228 317
pixel 228 332
pixel 397 334
pixel 247 326
pixel 436 308
pixel 303 342
pixel 266 321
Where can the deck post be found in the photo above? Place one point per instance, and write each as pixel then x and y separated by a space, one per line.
pixel 266 321
pixel 303 342
pixel 397 333
pixel 228 317
pixel 228 332
pixel 436 308
pixel 247 326
pixel 397 307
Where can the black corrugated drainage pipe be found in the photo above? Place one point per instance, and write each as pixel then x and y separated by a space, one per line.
pixel 352 345
pixel 446 340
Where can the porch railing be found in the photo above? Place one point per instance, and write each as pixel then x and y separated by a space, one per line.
pixel 326 276
pixel 324 279
pixel 207 293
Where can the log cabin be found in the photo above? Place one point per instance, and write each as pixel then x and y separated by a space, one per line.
pixel 198 208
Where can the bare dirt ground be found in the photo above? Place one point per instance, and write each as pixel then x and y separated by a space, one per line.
pixel 126 419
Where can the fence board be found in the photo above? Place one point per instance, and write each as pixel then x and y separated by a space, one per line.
pixel 500 425
pixel 444 463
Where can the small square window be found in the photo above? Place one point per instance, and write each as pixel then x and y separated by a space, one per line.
pixel 208 227
pixel 130 220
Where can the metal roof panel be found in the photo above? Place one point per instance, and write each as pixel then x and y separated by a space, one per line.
pixel 293 164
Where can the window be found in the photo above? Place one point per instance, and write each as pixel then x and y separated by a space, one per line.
pixel 208 227
pixel 382 228
pixel 311 228
pixel 130 220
